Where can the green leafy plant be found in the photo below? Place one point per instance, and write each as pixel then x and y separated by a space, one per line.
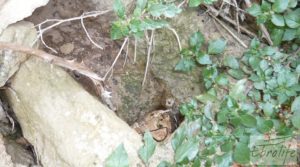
pixel 148 149
pixel 146 16
pixel 257 94
pixel 195 3
pixel 194 55
pixel 281 17
pixel 118 158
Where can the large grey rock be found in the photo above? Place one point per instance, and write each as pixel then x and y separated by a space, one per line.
pixel 5 159
pixel 20 33
pixel 67 126
pixel 12 11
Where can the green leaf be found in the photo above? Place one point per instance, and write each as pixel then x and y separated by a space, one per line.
pixel 140 6
pixel 194 3
pixel 119 30
pixel 266 6
pixel 261 19
pixel 164 164
pixel 292 18
pixel 231 62
pixel 216 46
pixel 296 120
pixel 185 65
pixel 292 3
pixel 148 149
pixel 254 62
pixel 207 111
pixel 168 10
pixel 227 146
pixel 248 120
pixel 222 116
pixel 187 150
pixel 241 153
pixel 254 10
pixel 237 91
pixel 237 74
pixel 118 158
pixel 254 43
pixel 276 36
pixel 295 108
pixel 149 24
pixel 259 85
pixel 224 160
pixel 268 109
pixel 119 8
pixel 289 34
pixel 222 80
pixel 203 58
pixel 263 65
pixel 204 98
pixel 277 20
pixel 280 6
pixel 264 126
pixel 196 40
pixel 178 138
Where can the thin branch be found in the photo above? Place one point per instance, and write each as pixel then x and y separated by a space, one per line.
pixel 226 18
pixel 117 57
pixel 60 21
pixel 228 30
pixel 51 58
pixel 126 54
pixel 181 4
pixel 177 37
pixel 135 47
pixel 88 35
pixel 237 16
pixel 148 56
pixel 43 42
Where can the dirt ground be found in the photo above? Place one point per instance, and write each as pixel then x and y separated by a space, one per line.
pixel 71 43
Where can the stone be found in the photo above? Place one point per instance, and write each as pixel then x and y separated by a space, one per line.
pixel 4 157
pixel 12 11
pixel 20 33
pixel 67 48
pixel 66 125
pixel 134 101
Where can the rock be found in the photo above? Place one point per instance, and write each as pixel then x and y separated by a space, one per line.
pixel 5 159
pixel 166 55
pixel 162 79
pixel 67 48
pixel 21 33
pixel 12 11
pixel 67 126
pixel 18 153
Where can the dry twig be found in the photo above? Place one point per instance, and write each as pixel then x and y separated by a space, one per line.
pixel 57 22
pixel 150 43
pixel 228 30
pixel 117 57
pixel 237 16
pixel 177 37
pixel 226 18
pixel 51 59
